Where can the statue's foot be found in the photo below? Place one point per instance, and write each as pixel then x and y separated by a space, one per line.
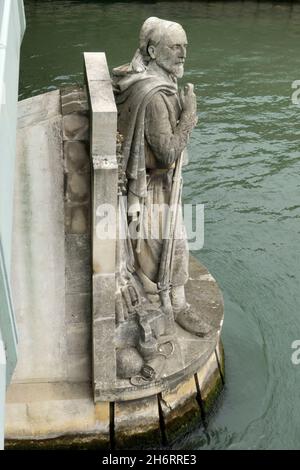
pixel 191 321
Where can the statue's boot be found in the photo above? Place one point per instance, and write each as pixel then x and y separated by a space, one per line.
pixel 186 316
pixel 191 321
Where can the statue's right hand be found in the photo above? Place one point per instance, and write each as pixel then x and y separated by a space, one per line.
pixel 188 99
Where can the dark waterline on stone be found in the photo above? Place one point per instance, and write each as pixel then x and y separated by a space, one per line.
pixel 244 166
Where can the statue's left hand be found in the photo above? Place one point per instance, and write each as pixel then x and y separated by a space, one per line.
pixel 189 102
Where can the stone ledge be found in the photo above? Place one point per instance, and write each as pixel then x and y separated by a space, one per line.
pixel 96 66
pixel 39 108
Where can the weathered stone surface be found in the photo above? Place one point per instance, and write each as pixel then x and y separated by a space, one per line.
pixel 105 188
pixel 104 111
pixel 221 358
pixel 104 120
pixel 78 308
pixel 210 382
pixel 46 391
pixel 73 100
pixel 104 352
pixel 75 127
pixel 74 411
pixel 79 367
pixel 178 396
pixel 77 240
pixel 76 155
pixel 79 338
pixel 104 221
pixel 78 264
pixel 137 423
pixel 104 256
pixel 90 441
pixel 39 108
pixel 104 287
pixel 78 187
pixel 38 273
pixel 67 92
pixel 180 408
pixel 205 372
pixel 193 349
pixel 77 218
pixel 207 295
pixel 74 107
pixel 78 282
pixel 96 66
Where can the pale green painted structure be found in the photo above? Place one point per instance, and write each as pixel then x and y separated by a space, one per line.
pixel 2 389
pixel 12 27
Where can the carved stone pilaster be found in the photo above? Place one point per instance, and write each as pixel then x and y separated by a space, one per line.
pixel 104 195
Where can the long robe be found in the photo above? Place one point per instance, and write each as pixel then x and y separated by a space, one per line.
pixel 148 118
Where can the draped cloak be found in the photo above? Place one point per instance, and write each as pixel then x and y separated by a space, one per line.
pixel 133 93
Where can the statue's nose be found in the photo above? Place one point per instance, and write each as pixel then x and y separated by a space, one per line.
pixel 183 52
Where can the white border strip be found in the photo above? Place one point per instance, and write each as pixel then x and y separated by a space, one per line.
pixel 5 23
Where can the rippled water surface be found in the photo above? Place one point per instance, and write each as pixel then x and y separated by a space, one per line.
pixel 244 166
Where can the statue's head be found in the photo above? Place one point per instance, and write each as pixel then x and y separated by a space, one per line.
pixel 164 42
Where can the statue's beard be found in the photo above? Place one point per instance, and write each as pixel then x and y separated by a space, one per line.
pixel 179 70
pixel 176 70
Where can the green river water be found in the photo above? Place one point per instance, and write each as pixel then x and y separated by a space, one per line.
pixel 244 166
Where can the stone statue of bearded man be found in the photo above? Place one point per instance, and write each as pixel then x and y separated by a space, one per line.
pixel 155 121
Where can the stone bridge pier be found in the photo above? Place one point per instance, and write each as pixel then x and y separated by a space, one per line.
pixel 66 392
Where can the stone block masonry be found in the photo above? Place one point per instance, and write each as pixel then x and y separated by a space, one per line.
pixel 77 203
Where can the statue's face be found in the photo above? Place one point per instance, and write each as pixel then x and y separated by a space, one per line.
pixel 170 53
